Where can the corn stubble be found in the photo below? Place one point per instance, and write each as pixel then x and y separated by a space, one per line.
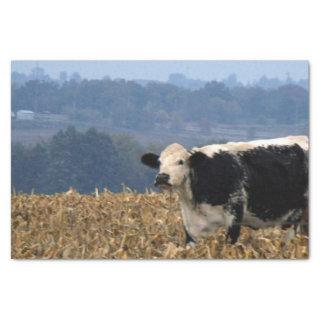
pixel 128 226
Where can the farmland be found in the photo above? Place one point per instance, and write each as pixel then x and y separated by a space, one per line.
pixel 127 225
pixel 32 132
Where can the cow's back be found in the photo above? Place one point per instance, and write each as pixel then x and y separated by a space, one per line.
pixel 239 146
pixel 276 179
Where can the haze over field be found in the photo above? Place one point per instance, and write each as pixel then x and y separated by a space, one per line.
pixel 246 71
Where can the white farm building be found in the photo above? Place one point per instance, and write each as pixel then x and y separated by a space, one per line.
pixel 25 115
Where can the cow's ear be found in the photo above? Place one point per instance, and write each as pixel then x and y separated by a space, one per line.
pixel 151 160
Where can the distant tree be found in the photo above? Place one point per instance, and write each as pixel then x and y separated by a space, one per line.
pixel 29 168
pixel 18 79
pixel 37 96
pixel 134 174
pixel 75 77
pixel 63 77
pixel 38 74
pixel 217 89
pixel 82 161
pixel 291 102
pixel 232 81
pixel 180 80
pixel 129 105
pixel 267 83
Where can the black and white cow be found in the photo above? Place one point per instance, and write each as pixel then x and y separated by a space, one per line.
pixel 259 184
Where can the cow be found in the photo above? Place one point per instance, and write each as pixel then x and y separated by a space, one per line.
pixel 259 184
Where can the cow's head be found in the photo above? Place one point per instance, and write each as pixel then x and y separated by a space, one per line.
pixel 172 165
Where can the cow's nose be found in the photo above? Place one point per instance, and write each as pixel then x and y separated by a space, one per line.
pixel 162 178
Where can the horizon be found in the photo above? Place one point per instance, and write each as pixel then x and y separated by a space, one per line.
pixel 159 70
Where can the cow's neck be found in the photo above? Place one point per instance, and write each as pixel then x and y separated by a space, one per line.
pixel 188 209
pixel 185 193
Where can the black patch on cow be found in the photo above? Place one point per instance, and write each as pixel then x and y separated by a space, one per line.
pixel 214 179
pixel 151 160
pixel 276 180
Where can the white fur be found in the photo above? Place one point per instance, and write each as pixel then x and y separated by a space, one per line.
pixel 209 150
pixel 302 141
pixel 203 219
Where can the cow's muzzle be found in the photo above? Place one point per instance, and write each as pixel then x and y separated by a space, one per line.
pixel 162 179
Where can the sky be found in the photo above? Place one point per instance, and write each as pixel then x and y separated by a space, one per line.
pixel 246 71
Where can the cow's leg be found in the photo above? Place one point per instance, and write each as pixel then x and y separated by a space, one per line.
pixel 290 234
pixel 189 240
pixel 304 223
pixel 236 209
pixel 292 225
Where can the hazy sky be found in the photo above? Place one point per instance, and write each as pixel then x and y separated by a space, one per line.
pixel 160 70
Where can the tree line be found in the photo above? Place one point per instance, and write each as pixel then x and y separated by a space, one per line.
pixel 82 160
pixel 129 104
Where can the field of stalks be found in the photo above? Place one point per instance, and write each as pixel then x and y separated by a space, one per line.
pixel 128 225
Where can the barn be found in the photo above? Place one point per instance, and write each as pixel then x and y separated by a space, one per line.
pixel 25 115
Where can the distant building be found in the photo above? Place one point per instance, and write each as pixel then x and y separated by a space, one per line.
pixel 47 116
pixel 25 115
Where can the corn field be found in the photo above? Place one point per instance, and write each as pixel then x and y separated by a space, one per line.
pixel 128 225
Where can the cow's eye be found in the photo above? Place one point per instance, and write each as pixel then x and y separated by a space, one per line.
pixel 180 162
